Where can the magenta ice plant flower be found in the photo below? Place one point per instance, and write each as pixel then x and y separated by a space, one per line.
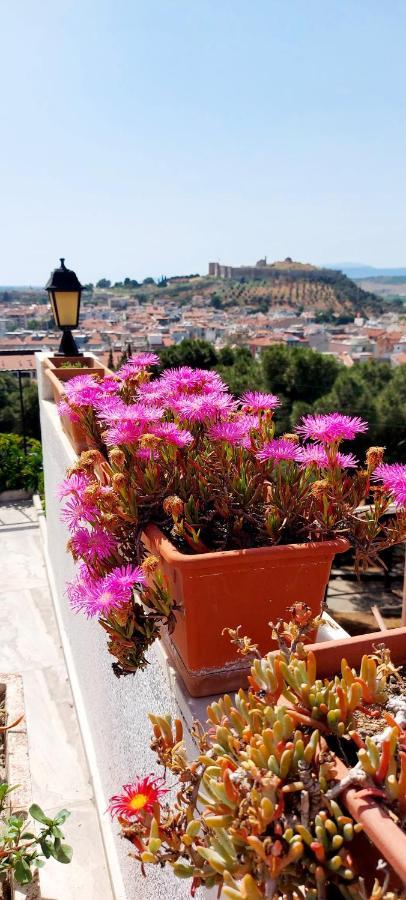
pixel 255 401
pixel 202 408
pixel 75 483
pixel 235 432
pixel 331 427
pixel 77 511
pixel 65 410
pixel 101 596
pixel 125 432
pixel 393 478
pixel 83 390
pixel 279 449
pixel 315 453
pixel 93 545
pixel 170 433
pixel 186 381
pixel 136 363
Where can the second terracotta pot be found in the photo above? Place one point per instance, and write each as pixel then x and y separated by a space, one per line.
pixel 222 590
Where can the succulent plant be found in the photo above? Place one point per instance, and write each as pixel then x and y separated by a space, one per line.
pixel 257 811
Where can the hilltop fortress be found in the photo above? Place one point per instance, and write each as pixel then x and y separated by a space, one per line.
pixel 261 270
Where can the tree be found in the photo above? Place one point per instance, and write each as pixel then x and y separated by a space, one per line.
pixel 110 361
pixel 199 354
pixel 391 412
pixel 103 283
pixel 148 281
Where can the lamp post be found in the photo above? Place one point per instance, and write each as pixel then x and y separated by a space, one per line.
pixel 64 291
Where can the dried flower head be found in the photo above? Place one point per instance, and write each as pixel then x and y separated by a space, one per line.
pixel 173 506
pixel 117 457
pixel 374 457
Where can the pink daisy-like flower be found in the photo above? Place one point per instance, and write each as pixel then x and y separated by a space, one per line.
pixel 315 453
pixel 185 381
pixel 171 434
pixel 65 410
pixel 235 432
pixel 73 484
pixel 257 402
pixel 153 393
pixel 125 432
pixel 200 408
pixel 393 477
pixel 138 798
pixel 83 390
pixel 136 364
pixel 93 545
pixel 77 511
pixel 101 596
pixel 278 449
pixel 110 384
pixel 331 427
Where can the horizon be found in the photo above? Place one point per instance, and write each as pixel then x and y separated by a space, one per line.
pixel 156 136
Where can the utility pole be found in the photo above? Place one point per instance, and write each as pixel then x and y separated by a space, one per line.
pixel 22 411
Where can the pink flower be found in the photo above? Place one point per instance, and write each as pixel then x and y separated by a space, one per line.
pixel 185 381
pixel 83 390
pixel 314 453
pixel 255 401
pixel 113 409
pixel 93 545
pixel 278 449
pixel 75 483
pixel 65 410
pixel 101 596
pixel 171 434
pixel 153 393
pixel 331 427
pixel 125 432
pixel 235 432
pixel 393 477
pixel 77 511
pixel 136 364
pixel 200 408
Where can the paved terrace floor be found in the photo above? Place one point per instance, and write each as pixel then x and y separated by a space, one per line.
pixel 30 645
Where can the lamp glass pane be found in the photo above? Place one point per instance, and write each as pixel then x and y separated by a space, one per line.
pixel 67 303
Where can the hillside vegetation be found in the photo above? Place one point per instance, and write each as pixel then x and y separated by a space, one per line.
pixel 291 285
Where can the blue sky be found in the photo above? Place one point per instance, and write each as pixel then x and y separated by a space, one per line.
pixel 144 137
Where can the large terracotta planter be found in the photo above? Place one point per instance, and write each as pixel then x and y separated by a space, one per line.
pixel 57 378
pixel 237 587
pixel 88 366
pixel 382 830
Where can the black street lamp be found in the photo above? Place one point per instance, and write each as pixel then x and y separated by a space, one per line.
pixel 64 291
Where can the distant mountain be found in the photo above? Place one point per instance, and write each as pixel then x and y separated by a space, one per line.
pixel 362 270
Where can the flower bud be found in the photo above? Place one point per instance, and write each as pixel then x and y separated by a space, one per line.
pixel 117 457
pixel 173 506
pixel 319 488
pixel 118 481
pixel 150 564
pixel 374 457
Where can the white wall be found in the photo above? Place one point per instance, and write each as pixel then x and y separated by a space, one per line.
pixel 116 709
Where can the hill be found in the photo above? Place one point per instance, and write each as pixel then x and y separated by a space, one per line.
pixel 288 284
pixel 363 270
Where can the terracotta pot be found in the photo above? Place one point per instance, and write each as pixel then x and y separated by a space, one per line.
pixel 237 587
pixel 73 430
pixel 384 833
pixel 88 366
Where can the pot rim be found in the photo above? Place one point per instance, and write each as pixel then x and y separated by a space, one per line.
pixel 283 551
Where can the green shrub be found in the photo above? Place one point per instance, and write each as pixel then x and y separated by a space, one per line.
pixel 17 470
